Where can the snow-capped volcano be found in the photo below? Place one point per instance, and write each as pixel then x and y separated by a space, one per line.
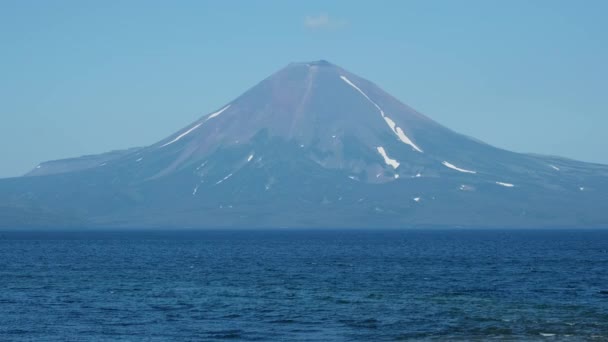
pixel 314 145
pixel 318 107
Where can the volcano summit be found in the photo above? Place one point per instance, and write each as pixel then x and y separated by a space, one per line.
pixel 311 146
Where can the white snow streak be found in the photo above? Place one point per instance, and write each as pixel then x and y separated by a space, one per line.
pixel 359 90
pixel 406 140
pixel 138 160
pixel 582 188
pixel 418 175
pixel 392 162
pixel 250 157
pixel 508 185
pixel 554 167
pixel 211 116
pixel 195 190
pixel 453 167
pixel 396 176
pixel 223 179
pixel 417 199
pixel 397 130
pixel 183 134
pixel 390 122
pixel 38 166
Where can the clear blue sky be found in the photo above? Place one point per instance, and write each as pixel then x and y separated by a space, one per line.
pixel 83 77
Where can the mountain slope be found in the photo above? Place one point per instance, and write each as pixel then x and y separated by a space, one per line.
pixel 316 146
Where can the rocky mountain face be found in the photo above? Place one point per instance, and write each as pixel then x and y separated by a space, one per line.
pixel 311 146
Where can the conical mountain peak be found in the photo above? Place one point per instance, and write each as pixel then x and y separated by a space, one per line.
pixel 315 104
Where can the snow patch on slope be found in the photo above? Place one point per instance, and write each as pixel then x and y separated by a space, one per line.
pixel 223 179
pixel 454 167
pixel 202 165
pixel 211 116
pixel 390 122
pixel 554 167
pixel 406 140
pixel 507 185
pixel 397 130
pixel 183 134
pixel 359 90
pixel 195 190
pixel 250 157
pixel 392 162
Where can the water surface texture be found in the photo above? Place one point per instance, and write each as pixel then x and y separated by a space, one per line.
pixel 298 286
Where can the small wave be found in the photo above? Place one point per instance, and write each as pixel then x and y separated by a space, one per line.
pixel 283 321
pixel 232 316
pixel 225 334
pixel 15 332
pixel 183 306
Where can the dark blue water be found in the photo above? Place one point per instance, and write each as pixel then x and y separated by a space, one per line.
pixel 369 286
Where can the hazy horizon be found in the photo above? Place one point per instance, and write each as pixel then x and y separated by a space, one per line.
pixel 84 78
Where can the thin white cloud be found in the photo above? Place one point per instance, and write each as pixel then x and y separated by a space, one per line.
pixel 323 22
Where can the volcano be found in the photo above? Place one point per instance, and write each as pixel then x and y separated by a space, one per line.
pixel 311 146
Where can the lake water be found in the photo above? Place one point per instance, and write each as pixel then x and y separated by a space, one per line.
pixel 304 286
